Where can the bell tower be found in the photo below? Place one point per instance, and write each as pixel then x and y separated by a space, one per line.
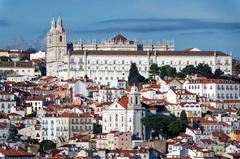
pixel 134 99
pixel 56 47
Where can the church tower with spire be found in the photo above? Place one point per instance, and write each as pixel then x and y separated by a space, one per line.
pixel 56 47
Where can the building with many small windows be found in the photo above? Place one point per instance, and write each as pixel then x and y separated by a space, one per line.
pixel 110 60
pixel 114 140
pixel 19 68
pixel 214 89
pixel 7 102
pixel 64 126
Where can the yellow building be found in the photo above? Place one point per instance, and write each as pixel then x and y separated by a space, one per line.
pixel 235 135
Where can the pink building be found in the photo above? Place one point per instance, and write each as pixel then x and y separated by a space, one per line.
pixel 114 140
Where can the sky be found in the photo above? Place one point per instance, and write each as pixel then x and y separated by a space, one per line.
pixel 203 24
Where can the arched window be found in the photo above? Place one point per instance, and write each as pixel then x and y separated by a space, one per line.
pixel 60 38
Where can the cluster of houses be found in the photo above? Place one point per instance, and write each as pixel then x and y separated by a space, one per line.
pixel 88 120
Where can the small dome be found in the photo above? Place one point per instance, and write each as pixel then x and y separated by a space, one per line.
pixel 134 89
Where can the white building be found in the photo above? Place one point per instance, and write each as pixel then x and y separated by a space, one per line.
pixel 7 102
pixel 20 68
pixel 108 94
pixel 49 127
pixel 121 43
pixel 36 102
pixel 112 61
pixel 38 55
pixel 61 127
pixel 191 109
pixel 180 95
pixel 125 115
pixel 166 85
pixel 84 87
pixel 4 132
pixel 215 89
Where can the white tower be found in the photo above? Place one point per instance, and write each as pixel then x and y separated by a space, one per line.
pixel 134 99
pixel 135 112
pixel 56 47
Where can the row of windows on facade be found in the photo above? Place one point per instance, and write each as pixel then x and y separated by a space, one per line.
pixel 35 103
pixel 18 70
pixel 60 39
pixel 8 105
pixel 212 127
pixel 81 121
pixel 114 68
pixel 111 91
pixel 110 126
pixel 109 78
pixel 73 121
pixel 194 112
pixel 83 128
pixel 222 96
pixel 219 87
pixel 116 118
pixel 227 96
pixel 6 97
pixel 80 61
pixel 186 106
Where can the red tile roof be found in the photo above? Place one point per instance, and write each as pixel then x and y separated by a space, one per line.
pixel 73 115
pixel 118 38
pixel 14 152
pixel 182 92
pixel 123 102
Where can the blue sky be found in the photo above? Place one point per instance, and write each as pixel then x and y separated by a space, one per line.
pixel 205 24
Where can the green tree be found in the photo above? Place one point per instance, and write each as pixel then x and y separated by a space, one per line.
pixel 154 70
pixel 5 58
pixel 30 50
pixel 167 71
pixel 218 72
pixel 167 126
pixel 24 56
pixel 180 75
pixel 175 127
pixel 189 69
pixel 183 117
pixel 46 145
pixel 204 70
pixel 134 76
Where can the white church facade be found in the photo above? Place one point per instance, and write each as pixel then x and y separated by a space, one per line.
pixel 110 60
pixel 125 115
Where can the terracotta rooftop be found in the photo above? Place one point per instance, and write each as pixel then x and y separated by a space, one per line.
pixel 118 38
pixel 123 101
pixel 14 152
pixel 16 64
pixel 73 115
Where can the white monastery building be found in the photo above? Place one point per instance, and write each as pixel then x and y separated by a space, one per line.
pixel 110 60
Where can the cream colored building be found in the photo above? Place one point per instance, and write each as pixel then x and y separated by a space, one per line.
pixel 114 140
pixel 32 131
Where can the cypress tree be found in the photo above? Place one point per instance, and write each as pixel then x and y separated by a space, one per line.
pixel 134 76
